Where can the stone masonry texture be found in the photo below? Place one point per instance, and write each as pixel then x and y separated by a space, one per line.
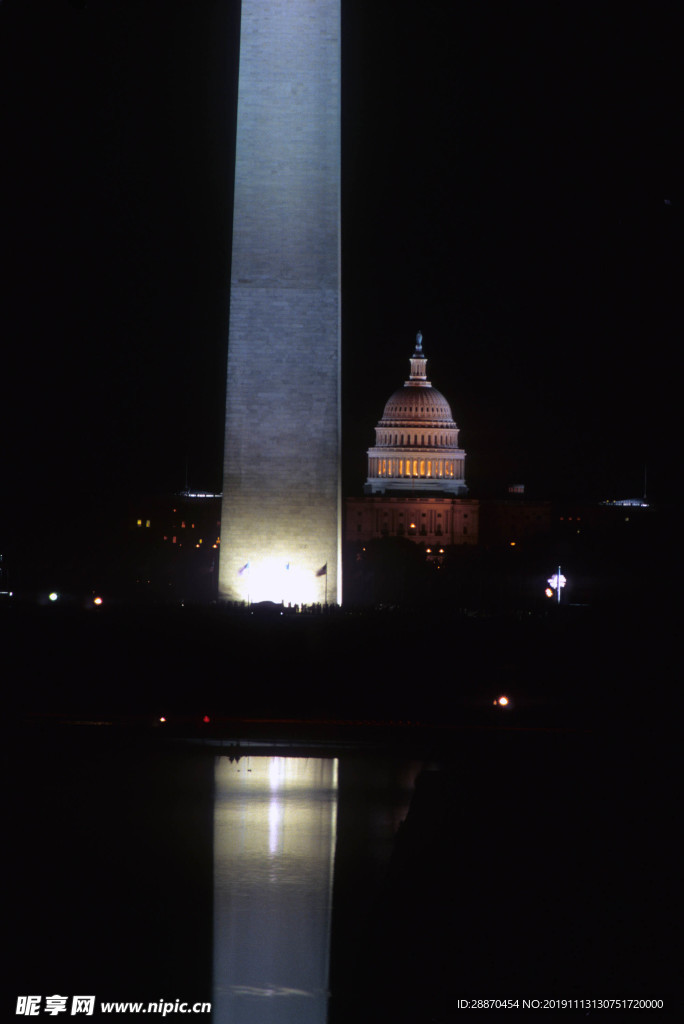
pixel 281 488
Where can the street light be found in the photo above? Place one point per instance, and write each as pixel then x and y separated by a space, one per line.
pixel 557 582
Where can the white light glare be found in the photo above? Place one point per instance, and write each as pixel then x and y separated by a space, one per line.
pixel 279 581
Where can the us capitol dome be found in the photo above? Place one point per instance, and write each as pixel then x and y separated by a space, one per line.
pixel 416 442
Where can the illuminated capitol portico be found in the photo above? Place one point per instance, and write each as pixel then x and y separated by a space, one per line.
pixel 416 442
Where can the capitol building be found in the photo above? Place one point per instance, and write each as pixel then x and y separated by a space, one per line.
pixel 416 485
pixel 416 442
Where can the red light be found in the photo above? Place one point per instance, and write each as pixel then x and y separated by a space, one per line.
pixel 206 718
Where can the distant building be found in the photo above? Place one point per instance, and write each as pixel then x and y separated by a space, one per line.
pixel 173 546
pixel 416 471
pixel 618 519
pixel 442 521
pixel 513 520
pixel 416 448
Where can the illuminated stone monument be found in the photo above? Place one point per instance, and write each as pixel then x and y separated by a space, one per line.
pixel 281 515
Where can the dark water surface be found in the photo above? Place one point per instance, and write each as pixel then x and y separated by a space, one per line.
pixel 519 863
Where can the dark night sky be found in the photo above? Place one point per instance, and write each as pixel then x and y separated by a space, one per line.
pixel 508 176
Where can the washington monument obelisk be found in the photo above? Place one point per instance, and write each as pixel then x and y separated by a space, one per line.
pixel 280 529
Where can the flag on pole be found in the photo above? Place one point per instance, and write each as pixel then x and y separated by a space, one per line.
pixel 323 571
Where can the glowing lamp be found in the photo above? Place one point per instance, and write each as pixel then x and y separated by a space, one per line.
pixel 557 582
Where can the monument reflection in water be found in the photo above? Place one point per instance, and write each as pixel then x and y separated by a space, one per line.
pixel 274 847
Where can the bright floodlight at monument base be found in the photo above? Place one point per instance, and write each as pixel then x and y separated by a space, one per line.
pixel 281 515
pixel 273 579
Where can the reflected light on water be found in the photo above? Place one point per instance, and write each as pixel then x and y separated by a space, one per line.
pixel 274 846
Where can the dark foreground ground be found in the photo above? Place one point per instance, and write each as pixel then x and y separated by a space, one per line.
pixel 567 665
pixel 539 857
